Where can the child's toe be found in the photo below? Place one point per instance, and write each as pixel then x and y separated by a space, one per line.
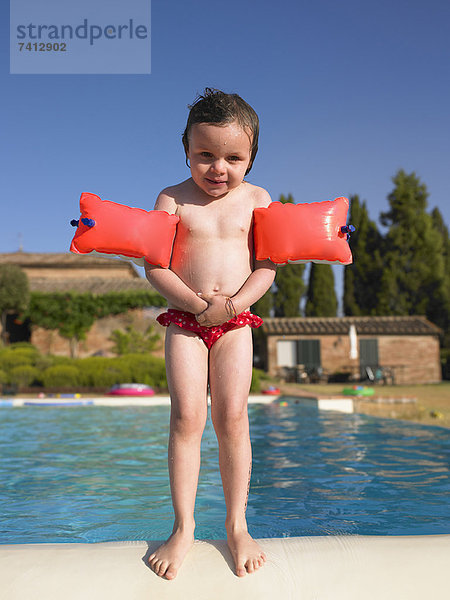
pixel 161 567
pixel 171 572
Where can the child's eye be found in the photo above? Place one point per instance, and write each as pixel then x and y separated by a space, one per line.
pixel 206 154
pixel 234 158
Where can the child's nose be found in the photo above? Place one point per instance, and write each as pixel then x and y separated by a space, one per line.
pixel 219 165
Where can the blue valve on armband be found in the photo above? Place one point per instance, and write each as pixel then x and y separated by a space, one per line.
pixel 348 229
pixel 84 220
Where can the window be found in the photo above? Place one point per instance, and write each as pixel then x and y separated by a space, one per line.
pixel 368 355
pixel 308 354
pixel 286 353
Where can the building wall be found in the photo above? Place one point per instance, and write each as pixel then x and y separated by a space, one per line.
pixel 415 359
pixel 97 340
pixel 65 272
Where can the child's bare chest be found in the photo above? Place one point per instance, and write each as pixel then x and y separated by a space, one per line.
pixel 215 222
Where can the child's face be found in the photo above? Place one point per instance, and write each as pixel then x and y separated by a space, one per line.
pixel 219 156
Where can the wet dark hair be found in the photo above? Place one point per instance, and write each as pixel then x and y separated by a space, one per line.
pixel 215 106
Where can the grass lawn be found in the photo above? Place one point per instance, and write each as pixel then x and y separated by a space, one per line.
pixel 432 406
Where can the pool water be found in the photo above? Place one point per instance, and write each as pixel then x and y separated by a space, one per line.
pixel 93 474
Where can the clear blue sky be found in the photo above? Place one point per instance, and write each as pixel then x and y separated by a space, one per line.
pixel 347 93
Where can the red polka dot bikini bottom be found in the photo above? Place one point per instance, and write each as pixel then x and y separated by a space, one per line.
pixel 209 335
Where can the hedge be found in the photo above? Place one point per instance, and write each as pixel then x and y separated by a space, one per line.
pixel 98 371
pixel 24 375
pixel 61 376
pixel 9 359
pixel 24 366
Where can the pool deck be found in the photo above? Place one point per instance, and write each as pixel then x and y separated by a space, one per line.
pixel 303 568
pixel 320 402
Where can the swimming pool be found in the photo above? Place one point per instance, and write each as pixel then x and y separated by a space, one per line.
pixel 92 474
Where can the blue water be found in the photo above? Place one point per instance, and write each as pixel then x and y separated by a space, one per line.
pixel 92 474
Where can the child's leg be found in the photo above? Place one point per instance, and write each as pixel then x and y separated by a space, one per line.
pixel 187 377
pixel 230 378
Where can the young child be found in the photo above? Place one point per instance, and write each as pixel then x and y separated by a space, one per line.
pixel 212 281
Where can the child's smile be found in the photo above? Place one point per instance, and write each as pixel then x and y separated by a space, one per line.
pixel 219 156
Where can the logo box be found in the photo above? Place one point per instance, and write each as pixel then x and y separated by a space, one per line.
pixel 80 37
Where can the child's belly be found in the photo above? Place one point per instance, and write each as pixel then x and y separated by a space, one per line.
pixel 213 267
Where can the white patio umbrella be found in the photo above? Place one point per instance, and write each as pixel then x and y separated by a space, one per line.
pixel 353 342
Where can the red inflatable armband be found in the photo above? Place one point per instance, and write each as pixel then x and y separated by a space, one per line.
pixel 302 232
pixel 109 228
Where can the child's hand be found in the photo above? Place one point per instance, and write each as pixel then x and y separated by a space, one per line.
pixel 215 314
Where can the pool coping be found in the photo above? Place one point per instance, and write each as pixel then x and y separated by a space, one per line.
pixel 345 405
pixel 310 568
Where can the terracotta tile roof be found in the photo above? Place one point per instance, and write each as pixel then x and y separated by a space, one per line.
pixel 415 325
pixel 64 260
pixel 95 285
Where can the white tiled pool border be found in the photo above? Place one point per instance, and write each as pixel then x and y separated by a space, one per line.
pixel 338 404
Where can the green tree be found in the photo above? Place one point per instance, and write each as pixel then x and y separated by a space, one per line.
pixel 362 277
pixel 321 298
pixel 14 293
pixel 442 316
pixel 132 341
pixel 413 278
pixel 264 305
pixel 289 283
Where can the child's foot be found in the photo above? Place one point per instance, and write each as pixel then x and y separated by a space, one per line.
pixel 167 559
pixel 248 556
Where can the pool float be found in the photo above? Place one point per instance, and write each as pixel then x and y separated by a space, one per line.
pixel 109 228
pixel 358 390
pixel 283 233
pixel 295 233
pixel 131 389
pixel 272 391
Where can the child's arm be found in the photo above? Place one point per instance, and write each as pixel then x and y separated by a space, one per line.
pixel 165 281
pixel 256 285
pixel 174 290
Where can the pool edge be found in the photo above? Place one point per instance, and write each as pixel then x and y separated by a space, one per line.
pixel 338 567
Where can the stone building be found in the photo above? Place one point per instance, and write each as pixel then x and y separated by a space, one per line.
pixel 64 272
pixel 403 349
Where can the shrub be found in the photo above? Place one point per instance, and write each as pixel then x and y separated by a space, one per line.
pixel 3 377
pixel 147 369
pixel 256 381
pixel 24 349
pixel 23 346
pixel 97 371
pixel 132 341
pixel 61 376
pixel 43 362
pixel 9 359
pixel 60 360
pixel 157 375
pixel 24 375
pixel 113 372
